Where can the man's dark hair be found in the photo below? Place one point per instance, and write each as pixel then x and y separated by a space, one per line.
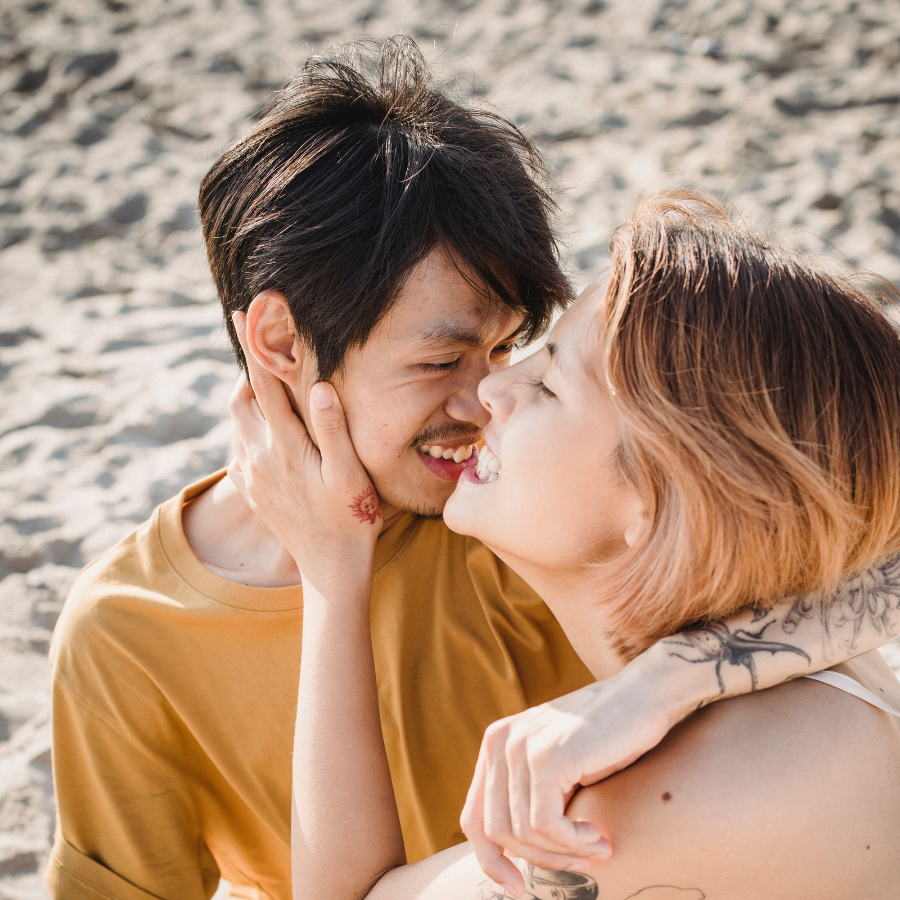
pixel 358 169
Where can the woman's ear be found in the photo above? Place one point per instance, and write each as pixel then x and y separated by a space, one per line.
pixel 636 522
pixel 271 335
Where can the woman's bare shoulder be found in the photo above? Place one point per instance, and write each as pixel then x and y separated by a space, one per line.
pixel 793 789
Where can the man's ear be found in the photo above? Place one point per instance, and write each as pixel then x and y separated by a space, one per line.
pixel 271 335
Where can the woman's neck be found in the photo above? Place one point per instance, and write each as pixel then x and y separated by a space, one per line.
pixel 575 597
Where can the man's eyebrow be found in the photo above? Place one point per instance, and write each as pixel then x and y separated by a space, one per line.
pixel 452 334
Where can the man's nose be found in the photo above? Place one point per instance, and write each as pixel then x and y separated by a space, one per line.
pixel 466 407
pixel 464 404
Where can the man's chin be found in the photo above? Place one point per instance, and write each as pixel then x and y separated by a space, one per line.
pixel 427 502
pixel 425 512
pixel 424 508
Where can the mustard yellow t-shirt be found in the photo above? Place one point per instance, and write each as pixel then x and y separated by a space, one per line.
pixel 175 691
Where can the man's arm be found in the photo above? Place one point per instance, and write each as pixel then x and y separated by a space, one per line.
pixel 125 829
pixel 589 734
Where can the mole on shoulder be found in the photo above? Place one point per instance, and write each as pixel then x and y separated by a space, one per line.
pixel 666 797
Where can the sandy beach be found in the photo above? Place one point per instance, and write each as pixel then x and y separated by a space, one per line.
pixel 114 366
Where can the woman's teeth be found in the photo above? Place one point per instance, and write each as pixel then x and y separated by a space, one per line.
pixel 488 468
pixel 457 454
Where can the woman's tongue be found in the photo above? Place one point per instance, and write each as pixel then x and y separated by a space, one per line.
pixel 448 469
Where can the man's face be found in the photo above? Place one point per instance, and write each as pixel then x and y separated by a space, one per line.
pixel 415 381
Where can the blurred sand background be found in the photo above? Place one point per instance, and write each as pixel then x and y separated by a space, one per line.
pixel 113 364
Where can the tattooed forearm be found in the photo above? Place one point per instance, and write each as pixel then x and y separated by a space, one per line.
pixel 545 884
pixel 866 603
pixel 809 633
pixel 718 645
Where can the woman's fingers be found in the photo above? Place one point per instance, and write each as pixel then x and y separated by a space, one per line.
pixel 516 804
pixel 490 857
pixel 533 761
pixel 340 464
pixel 538 796
pixel 497 820
pixel 548 826
pixel 498 867
pixel 249 427
pixel 509 816
pixel 268 390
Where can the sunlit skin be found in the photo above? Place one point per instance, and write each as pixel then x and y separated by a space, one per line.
pixel 414 382
pixel 555 430
pixel 558 505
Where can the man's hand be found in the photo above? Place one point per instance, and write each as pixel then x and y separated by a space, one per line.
pixel 318 501
pixel 532 763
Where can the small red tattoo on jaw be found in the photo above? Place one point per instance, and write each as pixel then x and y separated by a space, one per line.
pixel 366 506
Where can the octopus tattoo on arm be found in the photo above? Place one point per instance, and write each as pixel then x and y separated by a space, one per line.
pixel 864 610
pixel 716 643
pixel 366 506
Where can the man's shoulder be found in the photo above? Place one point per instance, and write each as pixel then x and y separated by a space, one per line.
pixel 136 569
pixel 112 602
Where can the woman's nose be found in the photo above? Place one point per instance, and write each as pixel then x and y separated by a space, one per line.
pixel 494 394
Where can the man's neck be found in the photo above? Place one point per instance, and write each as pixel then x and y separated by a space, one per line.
pixel 234 543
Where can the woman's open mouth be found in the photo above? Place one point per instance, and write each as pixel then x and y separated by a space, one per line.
pixel 486 470
pixel 448 462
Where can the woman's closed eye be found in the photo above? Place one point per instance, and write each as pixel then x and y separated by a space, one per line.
pixel 543 390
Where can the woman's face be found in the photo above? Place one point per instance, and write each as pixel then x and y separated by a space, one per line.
pixel 558 500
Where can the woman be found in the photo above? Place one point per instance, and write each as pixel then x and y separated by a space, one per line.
pixel 716 428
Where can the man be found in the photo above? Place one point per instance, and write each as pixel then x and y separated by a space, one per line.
pixel 376 234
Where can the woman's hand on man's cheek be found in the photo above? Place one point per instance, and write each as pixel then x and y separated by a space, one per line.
pixel 317 500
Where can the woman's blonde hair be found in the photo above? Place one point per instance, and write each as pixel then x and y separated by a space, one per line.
pixel 760 399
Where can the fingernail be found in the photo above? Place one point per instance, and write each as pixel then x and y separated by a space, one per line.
pixel 600 850
pixel 322 398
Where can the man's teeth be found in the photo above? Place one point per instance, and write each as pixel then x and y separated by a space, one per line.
pixel 457 454
pixel 488 468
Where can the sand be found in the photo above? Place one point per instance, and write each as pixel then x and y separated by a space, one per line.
pixel 114 367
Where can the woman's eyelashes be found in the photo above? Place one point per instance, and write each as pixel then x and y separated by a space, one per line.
pixel 543 390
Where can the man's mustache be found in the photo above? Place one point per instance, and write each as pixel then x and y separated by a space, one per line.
pixel 444 433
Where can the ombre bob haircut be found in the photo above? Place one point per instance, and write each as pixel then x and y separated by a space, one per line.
pixel 760 403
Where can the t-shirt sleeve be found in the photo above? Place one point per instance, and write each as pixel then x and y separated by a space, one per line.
pixel 126 830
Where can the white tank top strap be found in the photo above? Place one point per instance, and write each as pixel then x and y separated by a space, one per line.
pixel 850 686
